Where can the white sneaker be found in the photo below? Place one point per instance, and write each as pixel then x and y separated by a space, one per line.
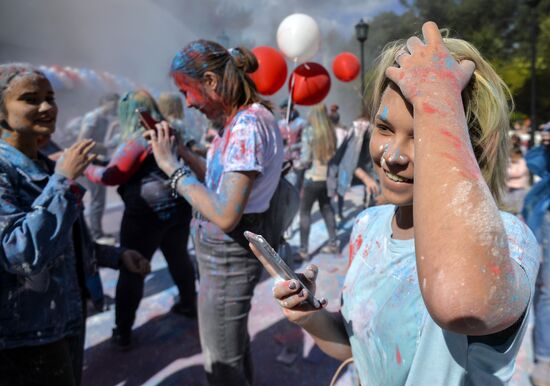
pixel 106 240
pixel 540 376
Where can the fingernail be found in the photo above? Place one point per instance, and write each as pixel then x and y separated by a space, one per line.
pixel 302 293
pixel 292 285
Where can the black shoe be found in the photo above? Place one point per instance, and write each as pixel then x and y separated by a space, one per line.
pixel 185 310
pixel 122 340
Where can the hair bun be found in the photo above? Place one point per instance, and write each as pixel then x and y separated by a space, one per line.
pixel 244 59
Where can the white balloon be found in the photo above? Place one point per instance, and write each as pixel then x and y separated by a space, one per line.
pixel 298 37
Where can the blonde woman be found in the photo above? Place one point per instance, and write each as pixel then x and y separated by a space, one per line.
pixel 171 107
pixel 318 147
pixel 440 280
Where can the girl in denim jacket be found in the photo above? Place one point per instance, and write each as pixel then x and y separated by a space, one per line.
pixel 47 257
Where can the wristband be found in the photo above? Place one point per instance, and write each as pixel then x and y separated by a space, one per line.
pixel 175 177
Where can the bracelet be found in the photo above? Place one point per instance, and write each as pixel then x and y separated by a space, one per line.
pixel 175 177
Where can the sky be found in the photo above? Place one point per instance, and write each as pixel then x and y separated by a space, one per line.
pixel 137 38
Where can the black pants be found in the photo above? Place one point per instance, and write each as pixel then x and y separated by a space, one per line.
pixel 58 363
pixel 145 233
pixel 315 191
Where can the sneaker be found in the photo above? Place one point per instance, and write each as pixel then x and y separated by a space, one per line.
pixel 106 240
pixel 331 248
pixel 123 341
pixel 540 376
pixel 185 310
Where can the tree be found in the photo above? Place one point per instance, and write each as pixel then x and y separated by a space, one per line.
pixel 500 29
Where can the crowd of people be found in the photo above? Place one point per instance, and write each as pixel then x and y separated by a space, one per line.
pixel 444 260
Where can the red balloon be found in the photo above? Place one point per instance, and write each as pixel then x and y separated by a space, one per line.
pixel 311 84
pixel 346 66
pixel 271 73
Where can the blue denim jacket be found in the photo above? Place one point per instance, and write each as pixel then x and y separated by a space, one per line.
pixel 40 295
pixel 537 201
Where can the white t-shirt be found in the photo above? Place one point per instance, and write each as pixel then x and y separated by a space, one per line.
pixel 251 142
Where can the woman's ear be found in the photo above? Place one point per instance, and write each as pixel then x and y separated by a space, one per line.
pixel 210 80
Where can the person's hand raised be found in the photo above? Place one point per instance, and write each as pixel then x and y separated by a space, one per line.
pixel 427 69
pixel 163 143
pixel 75 159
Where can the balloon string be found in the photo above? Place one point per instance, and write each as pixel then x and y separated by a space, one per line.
pixel 289 104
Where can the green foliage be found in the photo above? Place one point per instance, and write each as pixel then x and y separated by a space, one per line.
pixel 500 29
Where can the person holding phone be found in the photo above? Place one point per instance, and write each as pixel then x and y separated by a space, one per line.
pixel 48 261
pixel 237 181
pixel 440 280
pixel 153 218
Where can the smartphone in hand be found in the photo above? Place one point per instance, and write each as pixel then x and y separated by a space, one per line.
pixel 275 265
pixel 146 119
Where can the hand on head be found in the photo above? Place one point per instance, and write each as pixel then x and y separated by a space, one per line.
pixel 75 159
pixel 425 67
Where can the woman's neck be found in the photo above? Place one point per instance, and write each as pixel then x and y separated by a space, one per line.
pixel 402 223
pixel 24 143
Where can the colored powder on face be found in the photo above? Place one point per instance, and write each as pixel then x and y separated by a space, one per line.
pixel 396 155
pixel 385 112
pixel 449 62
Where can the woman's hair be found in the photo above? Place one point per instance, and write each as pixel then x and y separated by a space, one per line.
pixel 324 138
pixel 170 105
pixel 11 71
pixel 487 105
pixel 130 125
pixel 235 87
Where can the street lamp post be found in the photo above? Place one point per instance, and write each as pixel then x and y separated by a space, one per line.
pixel 534 29
pixel 361 32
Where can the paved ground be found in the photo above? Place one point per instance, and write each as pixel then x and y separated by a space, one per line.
pixel 167 349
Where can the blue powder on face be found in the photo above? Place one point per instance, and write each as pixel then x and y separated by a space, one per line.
pixel 385 113
pixel 449 62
